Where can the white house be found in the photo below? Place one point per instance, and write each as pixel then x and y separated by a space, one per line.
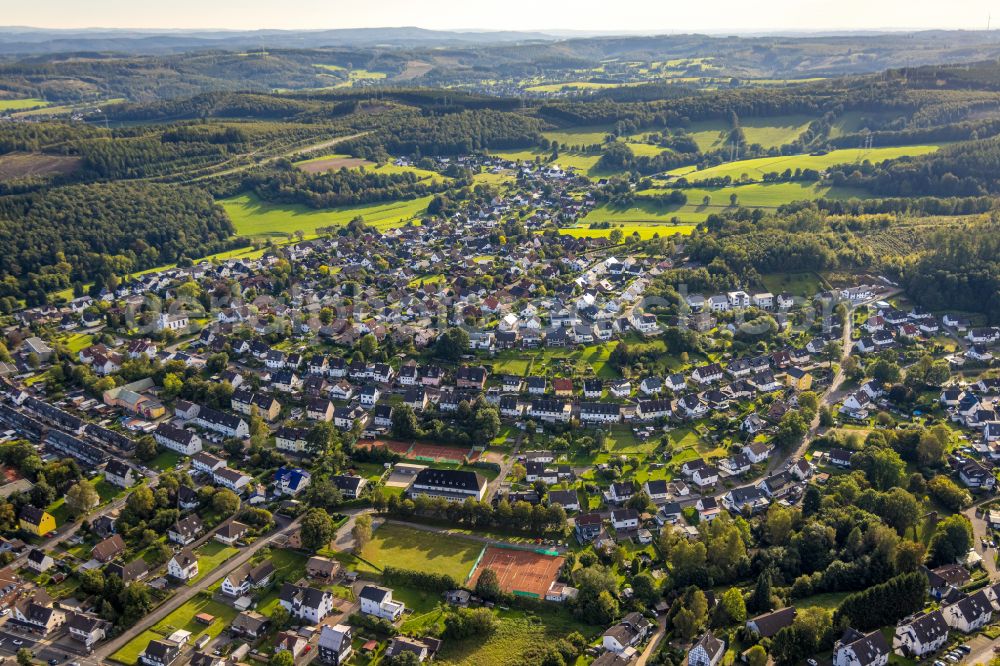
pixel 183 565
pixel 920 636
pixel 708 651
pixel 378 602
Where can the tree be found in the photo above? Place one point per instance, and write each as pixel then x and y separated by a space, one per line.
pixel 283 658
pixel 932 446
pixel 362 532
pixel 488 585
pixel 811 500
pixel 949 493
pixel 225 501
pixel 280 616
pixel 756 656
pixel 778 524
pixel 732 609
pixel 141 502
pixel 25 657
pixel 883 467
pixel 405 424
pixel 82 497
pixel 685 625
pixel 762 598
pixel 452 344
pixel 145 448
pixel 952 539
pixel 317 529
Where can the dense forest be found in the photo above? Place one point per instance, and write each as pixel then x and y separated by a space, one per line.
pixel 72 234
pixel 339 188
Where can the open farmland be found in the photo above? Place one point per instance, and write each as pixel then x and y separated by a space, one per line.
pixel 21 104
pixel 756 168
pixel 254 218
pixel 332 163
pixel 768 132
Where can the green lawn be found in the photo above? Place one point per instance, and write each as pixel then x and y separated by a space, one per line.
pixel 210 556
pixel 408 548
pixel 516 632
pixel 165 460
pixel 797 284
pixel 182 618
pixel 592 360
pixel 254 218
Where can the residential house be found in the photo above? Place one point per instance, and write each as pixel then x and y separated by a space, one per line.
pixel 377 601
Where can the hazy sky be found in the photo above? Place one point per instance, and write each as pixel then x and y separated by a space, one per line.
pixel 642 15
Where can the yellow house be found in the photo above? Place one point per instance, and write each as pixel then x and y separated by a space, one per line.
pixel 36 521
pixel 798 379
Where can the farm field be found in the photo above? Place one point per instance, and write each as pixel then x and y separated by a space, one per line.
pixel 769 132
pixel 408 548
pixel 756 168
pixel 336 161
pixel 646 230
pixel 28 165
pixel 585 164
pixel 252 217
pixel 21 104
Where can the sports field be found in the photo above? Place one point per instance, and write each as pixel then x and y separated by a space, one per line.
pixel 431 552
pixel 255 218
pixel 520 571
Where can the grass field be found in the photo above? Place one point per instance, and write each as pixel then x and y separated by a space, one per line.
pixel 254 218
pixel 182 618
pixel 646 230
pixel 336 161
pixel 516 632
pixel 754 169
pixel 210 556
pixel 593 359
pixel 797 284
pixel 165 460
pixel 408 548
pixel 768 132
pixel 21 104
pixel 585 164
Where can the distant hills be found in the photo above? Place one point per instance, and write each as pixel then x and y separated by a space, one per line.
pixel 34 41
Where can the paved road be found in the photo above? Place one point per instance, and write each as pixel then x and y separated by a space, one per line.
pixel 186 593
pixel 654 641
pixel 979 531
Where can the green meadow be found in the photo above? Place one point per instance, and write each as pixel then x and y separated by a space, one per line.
pixel 255 218
pixel 754 169
pixel 21 104
pixel 769 132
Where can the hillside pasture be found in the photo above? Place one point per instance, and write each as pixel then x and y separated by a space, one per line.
pixel 769 132
pixel 21 104
pixel 257 219
pixel 332 163
pixel 754 169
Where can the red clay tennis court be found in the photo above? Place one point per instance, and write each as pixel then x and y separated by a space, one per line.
pixel 520 571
